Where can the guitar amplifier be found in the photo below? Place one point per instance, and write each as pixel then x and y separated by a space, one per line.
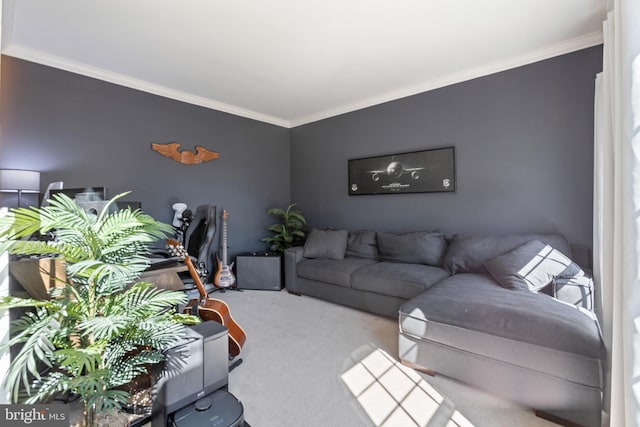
pixel 259 270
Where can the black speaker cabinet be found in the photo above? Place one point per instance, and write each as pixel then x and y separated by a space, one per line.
pixel 199 365
pixel 259 270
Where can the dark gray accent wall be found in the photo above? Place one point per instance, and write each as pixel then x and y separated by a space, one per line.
pixel 523 139
pixel 87 132
pixel 524 155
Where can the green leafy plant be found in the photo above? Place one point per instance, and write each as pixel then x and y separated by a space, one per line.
pixel 101 329
pixel 289 232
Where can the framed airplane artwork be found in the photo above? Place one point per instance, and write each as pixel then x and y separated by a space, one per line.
pixel 423 171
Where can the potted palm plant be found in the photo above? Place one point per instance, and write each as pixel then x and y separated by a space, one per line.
pixel 289 232
pixel 101 328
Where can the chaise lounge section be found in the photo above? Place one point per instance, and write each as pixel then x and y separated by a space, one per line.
pixel 548 356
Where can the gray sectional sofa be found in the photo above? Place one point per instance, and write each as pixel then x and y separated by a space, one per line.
pixel 508 314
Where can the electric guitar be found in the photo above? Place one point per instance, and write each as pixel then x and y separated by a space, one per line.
pixel 209 308
pixel 224 277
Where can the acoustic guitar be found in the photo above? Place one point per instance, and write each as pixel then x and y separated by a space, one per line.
pixel 224 277
pixel 209 308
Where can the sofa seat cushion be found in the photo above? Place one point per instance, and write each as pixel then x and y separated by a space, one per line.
pixel 397 279
pixel 336 272
pixel 477 303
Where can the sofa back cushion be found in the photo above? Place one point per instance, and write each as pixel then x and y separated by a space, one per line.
pixel 323 244
pixel 419 247
pixel 362 244
pixel 467 254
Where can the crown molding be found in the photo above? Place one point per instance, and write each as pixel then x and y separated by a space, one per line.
pixel 558 49
pixel 33 55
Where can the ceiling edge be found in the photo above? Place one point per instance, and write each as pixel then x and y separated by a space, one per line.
pixel 33 55
pixel 583 42
pixel 557 49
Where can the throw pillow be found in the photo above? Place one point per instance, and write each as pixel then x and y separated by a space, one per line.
pixel 362 244
pixel 575 290
pixel 419 247
pixel 531 267
pixel 467 254
pixel 324 244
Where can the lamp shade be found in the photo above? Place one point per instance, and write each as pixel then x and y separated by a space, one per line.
pixel 19 180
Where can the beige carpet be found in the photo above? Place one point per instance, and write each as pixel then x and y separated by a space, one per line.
pixel 307 362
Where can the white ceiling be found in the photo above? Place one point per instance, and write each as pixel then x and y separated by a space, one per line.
pixel 290 62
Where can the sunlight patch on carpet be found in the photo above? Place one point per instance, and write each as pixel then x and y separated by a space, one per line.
pixel 392 394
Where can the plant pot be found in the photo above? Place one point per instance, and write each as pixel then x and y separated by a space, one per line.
pixel 91 418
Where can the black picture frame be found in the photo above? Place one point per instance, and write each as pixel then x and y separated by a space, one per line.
pixel 426 171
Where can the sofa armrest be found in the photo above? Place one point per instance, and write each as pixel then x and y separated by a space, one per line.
pixel 292 256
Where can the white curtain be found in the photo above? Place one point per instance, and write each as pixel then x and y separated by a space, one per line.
pixel 617 207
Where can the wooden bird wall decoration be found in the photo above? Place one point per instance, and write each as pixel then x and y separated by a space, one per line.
pixel 186 157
